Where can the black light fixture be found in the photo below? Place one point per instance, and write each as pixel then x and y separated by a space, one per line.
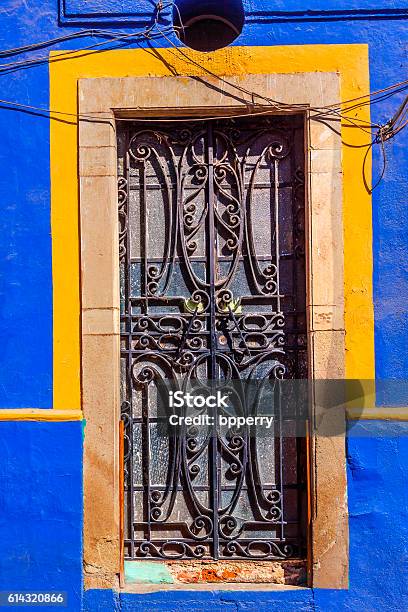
pixel 206 25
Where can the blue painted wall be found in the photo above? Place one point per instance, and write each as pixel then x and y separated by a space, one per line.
pixel 40 463
pixel 378 511
pixel 40 526
pixel 41 508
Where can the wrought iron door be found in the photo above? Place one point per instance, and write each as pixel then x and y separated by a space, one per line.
pixel 211 217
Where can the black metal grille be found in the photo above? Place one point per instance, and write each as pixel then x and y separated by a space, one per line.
pixel 212 281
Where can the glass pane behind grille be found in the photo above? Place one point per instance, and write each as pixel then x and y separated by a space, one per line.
pixel 211 232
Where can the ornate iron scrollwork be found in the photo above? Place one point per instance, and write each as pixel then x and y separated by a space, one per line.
pixel 211 235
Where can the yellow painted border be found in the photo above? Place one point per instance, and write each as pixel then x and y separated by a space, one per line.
pixel 350 61
pixel 39 414
pixel 389 413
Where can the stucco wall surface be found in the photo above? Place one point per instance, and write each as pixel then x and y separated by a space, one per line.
pixel 25 249
pixel 40 526
pixel 378 510
pixel 41 508
pixel 40 463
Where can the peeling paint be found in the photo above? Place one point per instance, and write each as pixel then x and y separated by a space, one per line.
pixel 142 572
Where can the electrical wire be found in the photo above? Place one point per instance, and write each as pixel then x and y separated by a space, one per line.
pixel 321 113
pixel 329 109
pixel 148 34
pixel 338 112
pixel 55 41
pixel 88 32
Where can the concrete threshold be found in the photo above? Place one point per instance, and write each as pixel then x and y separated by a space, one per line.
pixel 209 586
